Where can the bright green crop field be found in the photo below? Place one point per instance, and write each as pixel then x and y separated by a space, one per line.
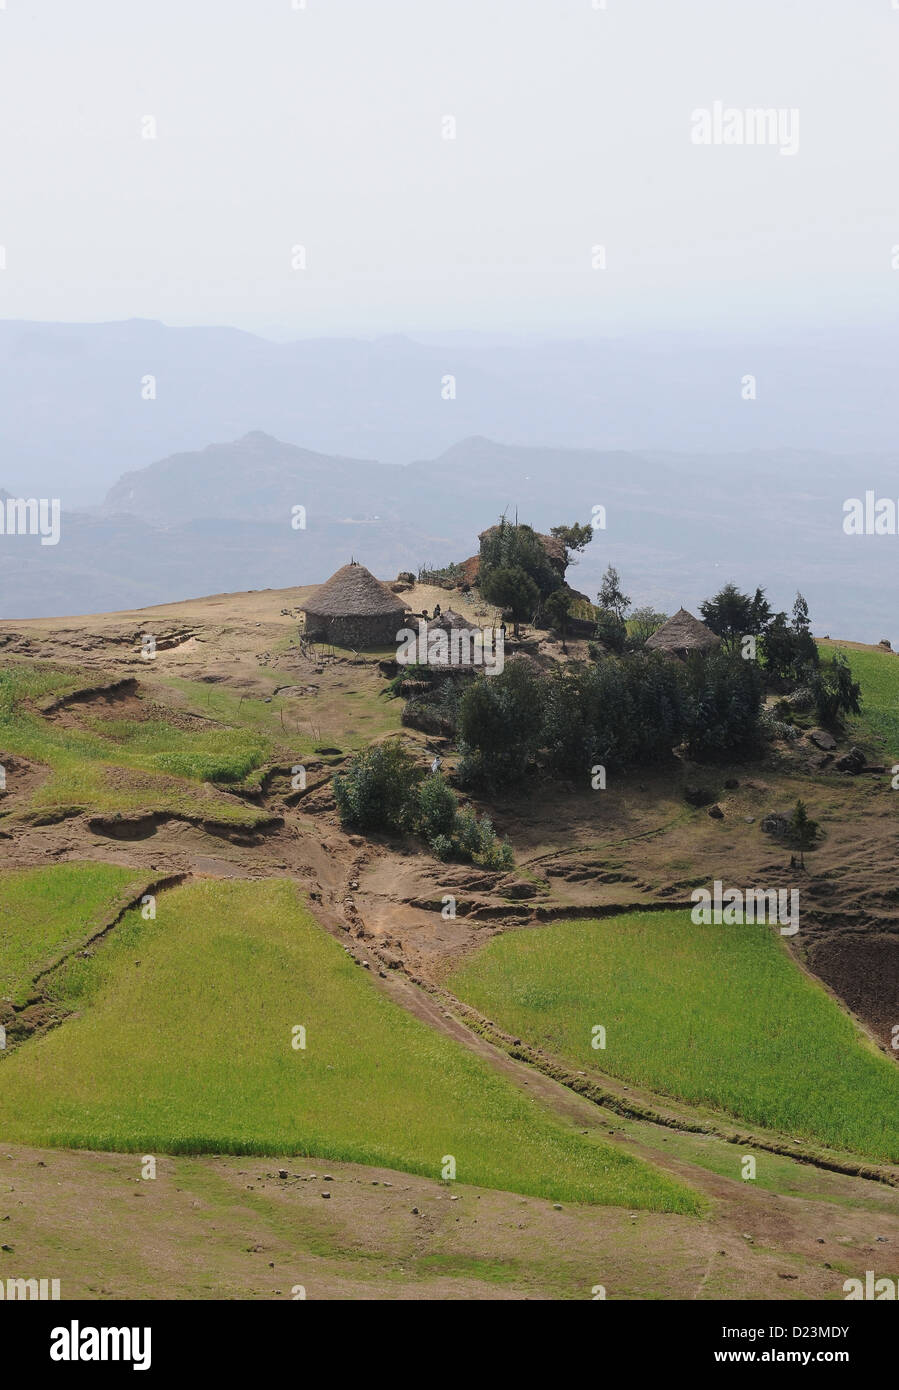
pixel 46 912
pixel 718 1015
pixel 183 1043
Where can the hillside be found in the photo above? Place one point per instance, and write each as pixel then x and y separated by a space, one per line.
pixel 174 778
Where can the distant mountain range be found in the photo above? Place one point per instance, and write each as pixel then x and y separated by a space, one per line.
pixel 677 526
pixel 78 407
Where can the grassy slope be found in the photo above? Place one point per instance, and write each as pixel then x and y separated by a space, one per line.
pixel 347 718
pixel 878 674
pixel 121 765
pixel 45 912
pixel 714 1015
pixel 184 1044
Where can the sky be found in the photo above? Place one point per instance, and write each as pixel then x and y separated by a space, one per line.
pixel 281 125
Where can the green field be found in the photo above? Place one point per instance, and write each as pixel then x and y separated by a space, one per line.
pixel 46 912
pixel 878 675
pixel 182 1043
pixel 119 765
pixel 719 1016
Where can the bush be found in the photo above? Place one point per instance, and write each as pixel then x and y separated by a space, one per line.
pixel 436 807
pixel 476 840
pixel 383 789
pixel 441 847
pixel 834 691
pixel 379 790
pixel 611 630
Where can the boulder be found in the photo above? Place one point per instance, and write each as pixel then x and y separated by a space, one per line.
pixel 822 739
pixel 716 812
pixel 852 762
pixel 698 796
pixel 776 823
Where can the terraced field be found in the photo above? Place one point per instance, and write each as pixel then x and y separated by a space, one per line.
pixel 184 1044
pixel 714 1015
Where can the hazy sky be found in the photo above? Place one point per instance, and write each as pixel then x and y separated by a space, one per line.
pixel 322 127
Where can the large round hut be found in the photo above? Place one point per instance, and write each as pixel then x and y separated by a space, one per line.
pixel 353 609
pixel 681 635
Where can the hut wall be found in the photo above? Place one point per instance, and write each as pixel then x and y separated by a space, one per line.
pixel 356 630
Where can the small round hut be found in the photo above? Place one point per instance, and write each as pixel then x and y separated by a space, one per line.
pixel 682 635
pixel 353 609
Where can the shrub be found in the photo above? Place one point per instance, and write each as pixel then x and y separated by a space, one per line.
pixel 383 789
pixel 379 790
pixel 436 807
pixel 611 630
pixel 834 691
pixel 441 847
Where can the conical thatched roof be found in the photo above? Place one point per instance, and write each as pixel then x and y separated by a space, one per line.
pixel 682 633
pixel 353 592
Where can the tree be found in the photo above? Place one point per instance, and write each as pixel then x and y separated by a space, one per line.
pixel 643 622
pixel 513 546
pixel 723 702
pixel 611 629
pixel 788 653
pixel 835 692
pixel 730 614
pixel 610 594
pixel 513 589
pixel 500 721
pixel 759 613
pixel 801 620
pixel 803 830
pixel 574 538
pixel 557 608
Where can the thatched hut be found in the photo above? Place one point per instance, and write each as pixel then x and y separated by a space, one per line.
pixel 452 655
pixel 682 635
pixel 353 609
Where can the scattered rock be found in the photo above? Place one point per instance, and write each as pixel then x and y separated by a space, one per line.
pixel 852 762
pixel 716 812
pixel 698 796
